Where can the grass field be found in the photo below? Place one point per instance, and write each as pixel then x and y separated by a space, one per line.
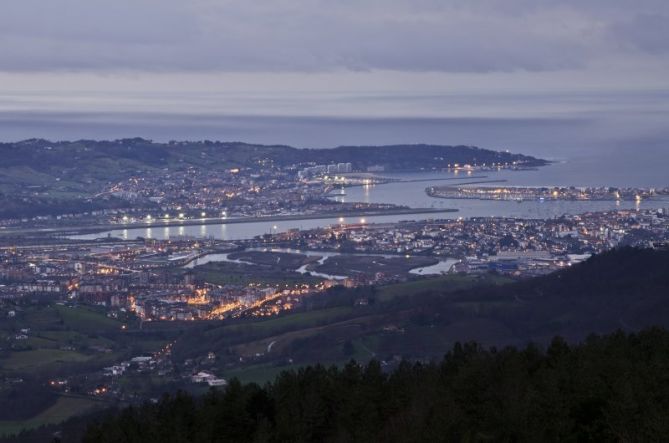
pixel 64 408
pixel 280 341
pixel 257 373
pixel 298 320
pixel 268 271
pixel 61 336
pixel 82 319
pixel 86 319
pixel 39 318
pixel 62 340
pixel 447 283
pixel 40 358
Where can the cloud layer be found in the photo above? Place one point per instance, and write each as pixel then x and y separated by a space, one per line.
pixel 320 35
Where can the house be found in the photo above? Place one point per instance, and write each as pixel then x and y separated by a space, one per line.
pixel 114 370
pixel 202 377
pixel 142 362
pixel 217 382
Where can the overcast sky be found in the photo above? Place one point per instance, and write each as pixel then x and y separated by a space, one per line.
pixel 307 46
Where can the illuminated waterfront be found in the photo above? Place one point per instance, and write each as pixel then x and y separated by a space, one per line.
pixel 412 193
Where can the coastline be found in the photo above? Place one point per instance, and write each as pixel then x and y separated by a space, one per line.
pixel 92 229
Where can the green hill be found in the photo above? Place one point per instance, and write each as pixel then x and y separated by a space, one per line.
pixel 623 289
pixel 579 387
pixel 608 388
pixel 42 177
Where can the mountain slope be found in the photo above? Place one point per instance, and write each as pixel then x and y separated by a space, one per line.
pixel 622 289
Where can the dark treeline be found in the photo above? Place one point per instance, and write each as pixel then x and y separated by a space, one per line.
pixel 607 388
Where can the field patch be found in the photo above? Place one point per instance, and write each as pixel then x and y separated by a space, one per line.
pixel 63 409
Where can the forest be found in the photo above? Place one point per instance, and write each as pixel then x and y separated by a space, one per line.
pixel 613 387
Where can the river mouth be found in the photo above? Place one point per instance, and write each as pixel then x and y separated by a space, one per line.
pixel 408 189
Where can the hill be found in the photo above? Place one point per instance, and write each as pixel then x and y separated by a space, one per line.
pixel 621 289
pixel 578 387
pixel 125 155
pixel 42 177
pixel 606 389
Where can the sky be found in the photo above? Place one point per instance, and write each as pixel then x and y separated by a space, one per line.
pixel 68 61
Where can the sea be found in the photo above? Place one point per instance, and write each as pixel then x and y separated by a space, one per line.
pixel 592 139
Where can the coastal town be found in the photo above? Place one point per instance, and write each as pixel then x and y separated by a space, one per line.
pixel 215 181
pixel 126 287
pixel 556 193
pixel 187 279
pixel 81 288
pixel 311 221
pixel 148 285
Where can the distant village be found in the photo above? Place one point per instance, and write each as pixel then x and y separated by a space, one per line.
pixel 571 193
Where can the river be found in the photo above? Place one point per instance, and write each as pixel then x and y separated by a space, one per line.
pixel 412 193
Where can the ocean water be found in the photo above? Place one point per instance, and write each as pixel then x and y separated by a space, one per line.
pixel 602 150
pixel 595 139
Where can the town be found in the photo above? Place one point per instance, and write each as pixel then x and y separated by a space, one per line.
pixel 545 193
pixel 182 182
pixel 187 279
pixel 142 293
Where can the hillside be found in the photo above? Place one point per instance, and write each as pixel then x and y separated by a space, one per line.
pixel 41 177
pixel 610 388
pixel 623 289
pixel 125 155
pixel 578 387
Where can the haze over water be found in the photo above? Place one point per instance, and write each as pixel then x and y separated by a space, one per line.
pixel 605 138
pixel 596 139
